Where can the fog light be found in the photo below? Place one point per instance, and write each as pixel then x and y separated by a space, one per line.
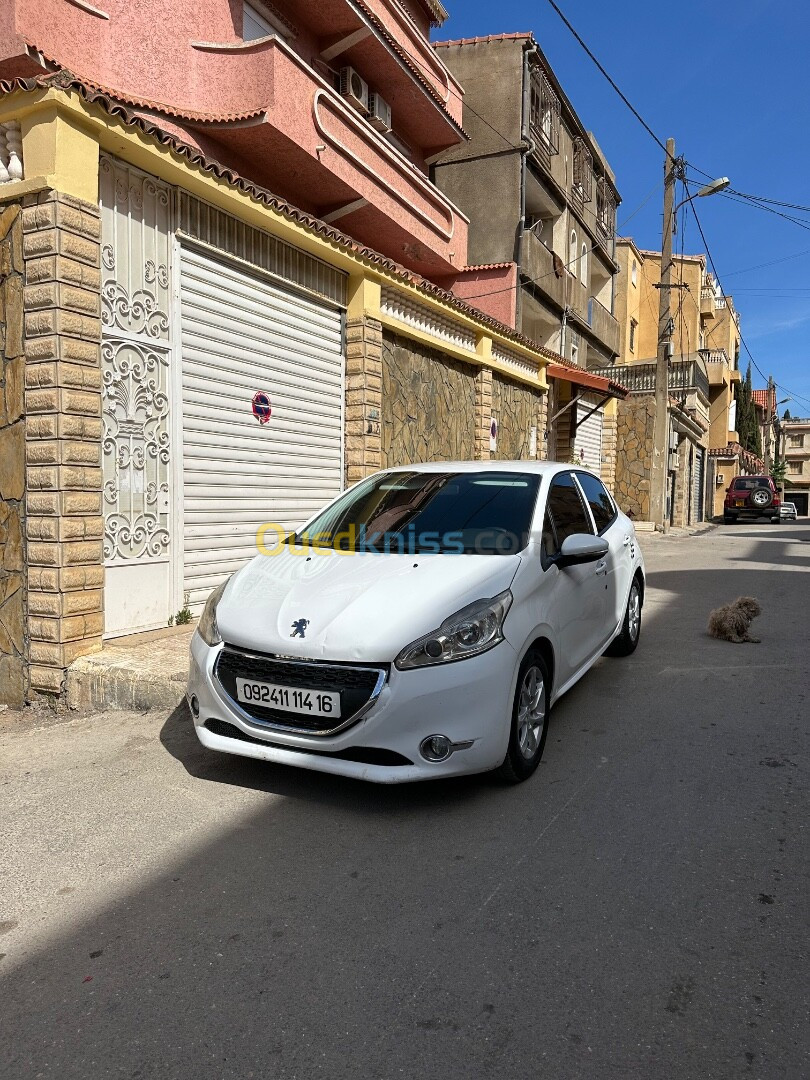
pixel 436 748
pixel 195 706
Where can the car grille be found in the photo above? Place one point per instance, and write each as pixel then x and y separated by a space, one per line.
pixel 357 686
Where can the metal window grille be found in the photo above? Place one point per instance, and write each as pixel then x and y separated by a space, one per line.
pixel 545 112
pixel 605 208
pixel 583 170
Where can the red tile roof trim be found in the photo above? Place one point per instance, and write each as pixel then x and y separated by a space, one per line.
pixel 486 266
pixel 568 372
pixel 145 103
pixel 484 40
pixel 405 57
pixel 66 81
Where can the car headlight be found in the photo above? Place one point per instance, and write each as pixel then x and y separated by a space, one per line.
pixel 207 626
pixel 471 631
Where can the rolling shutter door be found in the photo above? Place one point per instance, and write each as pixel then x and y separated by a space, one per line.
pixel 697 486
pixel 588 438
pixel 242 334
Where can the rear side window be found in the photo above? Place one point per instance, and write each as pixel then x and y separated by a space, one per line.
pixel 566 508
pixel 601 504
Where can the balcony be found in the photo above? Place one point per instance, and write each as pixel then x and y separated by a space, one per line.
pixel 603 325
pixel 685 377
pixel 718 366
pixel 312 148
pixel 707 305
pixel 539 267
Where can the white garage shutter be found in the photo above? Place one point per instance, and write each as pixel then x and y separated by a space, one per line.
pixel 242 334
pixel 588 438
pixel 697 486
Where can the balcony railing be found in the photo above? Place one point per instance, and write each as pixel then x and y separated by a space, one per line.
pixel 684 376
pixel 539 267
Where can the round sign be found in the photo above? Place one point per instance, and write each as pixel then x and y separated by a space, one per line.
pixel 261 406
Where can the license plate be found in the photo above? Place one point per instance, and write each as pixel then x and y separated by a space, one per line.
pixel 293 699
pixel 740 502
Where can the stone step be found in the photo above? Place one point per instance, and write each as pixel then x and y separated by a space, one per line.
pixel 137 672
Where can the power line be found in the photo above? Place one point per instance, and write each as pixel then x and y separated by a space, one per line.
pixel 632 109
pixel 784 389
pixel 532 281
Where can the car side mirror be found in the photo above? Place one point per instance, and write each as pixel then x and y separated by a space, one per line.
pixel 581 548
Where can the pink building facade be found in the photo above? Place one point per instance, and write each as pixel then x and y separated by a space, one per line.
pixel 338 106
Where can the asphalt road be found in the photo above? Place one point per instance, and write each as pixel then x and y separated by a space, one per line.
pixel 638 909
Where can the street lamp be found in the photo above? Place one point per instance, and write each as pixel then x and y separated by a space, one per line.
pixel 659 472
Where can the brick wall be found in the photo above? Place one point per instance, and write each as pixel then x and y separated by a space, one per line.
pixel 65 526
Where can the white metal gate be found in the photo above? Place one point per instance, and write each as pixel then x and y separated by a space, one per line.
pixel 136 350
pixel 588 437
pixel 243 333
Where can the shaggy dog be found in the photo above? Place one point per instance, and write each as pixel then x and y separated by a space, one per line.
pixel 731 622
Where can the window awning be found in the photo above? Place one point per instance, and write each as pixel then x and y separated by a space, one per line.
pixel 580 377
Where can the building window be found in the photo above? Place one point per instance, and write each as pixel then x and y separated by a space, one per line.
pixel 583 264
pixel 795 467
pixel 583 170
pixel 572 253
pixel 797 440
pixel 634 274
pixel 258 23
pixel 633 325
pixel 544 115
pixel 574 347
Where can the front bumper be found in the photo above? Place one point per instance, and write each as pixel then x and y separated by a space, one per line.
pixel 467 701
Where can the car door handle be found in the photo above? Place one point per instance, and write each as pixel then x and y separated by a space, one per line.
pixel 601 567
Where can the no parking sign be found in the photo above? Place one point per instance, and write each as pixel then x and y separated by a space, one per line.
pixel 261 406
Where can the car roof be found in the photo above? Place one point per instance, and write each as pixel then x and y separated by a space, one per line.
pixel 542 468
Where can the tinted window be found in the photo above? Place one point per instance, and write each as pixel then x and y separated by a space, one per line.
pixel 748 483
pixel 566 509
pixel 599 501
pixel 485 513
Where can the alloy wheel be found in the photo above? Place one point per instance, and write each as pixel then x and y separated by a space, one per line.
pixel 531 711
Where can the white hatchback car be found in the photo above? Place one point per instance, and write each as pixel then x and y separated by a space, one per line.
pixel 421 625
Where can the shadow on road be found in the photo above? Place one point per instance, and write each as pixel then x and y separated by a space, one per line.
pixel 603 920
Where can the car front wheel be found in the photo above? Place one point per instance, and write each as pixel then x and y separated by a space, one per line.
pixel 527 735
pixel 627 639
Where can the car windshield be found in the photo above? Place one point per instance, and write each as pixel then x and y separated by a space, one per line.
pixel 481 513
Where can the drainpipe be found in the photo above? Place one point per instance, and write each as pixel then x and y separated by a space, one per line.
pixel 526 146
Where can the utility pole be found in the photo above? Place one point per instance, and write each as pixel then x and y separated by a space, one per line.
pixel 768 426
pixel 659 472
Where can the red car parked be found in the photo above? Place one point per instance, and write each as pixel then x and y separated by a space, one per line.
pixel 753 496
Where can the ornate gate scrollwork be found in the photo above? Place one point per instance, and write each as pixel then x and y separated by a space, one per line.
pixel 136 351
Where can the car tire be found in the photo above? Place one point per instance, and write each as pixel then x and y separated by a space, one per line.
pixel 529 726
pixel 627 639
pixel 761 498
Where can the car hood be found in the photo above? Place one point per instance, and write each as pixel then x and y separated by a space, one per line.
pixel 357 606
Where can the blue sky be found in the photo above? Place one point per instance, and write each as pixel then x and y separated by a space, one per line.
pixel 731 84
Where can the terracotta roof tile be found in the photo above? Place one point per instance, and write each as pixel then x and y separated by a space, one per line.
pixel 409 62
pixel 487 266
pixel 483 40
pixel 67 81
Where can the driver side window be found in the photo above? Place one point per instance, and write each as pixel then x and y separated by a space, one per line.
pixel 566 510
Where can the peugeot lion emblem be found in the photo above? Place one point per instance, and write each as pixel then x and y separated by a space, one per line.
pixel 299 628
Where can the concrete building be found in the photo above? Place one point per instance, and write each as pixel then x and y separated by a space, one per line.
pixel 541 198
pixel 795 447
pixel 226 280
pixel 703 444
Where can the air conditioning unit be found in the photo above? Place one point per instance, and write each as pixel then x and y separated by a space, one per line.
pixel 379 112
pixel 673 462
pixel 354 89
pixel 673 440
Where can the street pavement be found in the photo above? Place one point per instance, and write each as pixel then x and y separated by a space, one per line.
pixel 638 909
